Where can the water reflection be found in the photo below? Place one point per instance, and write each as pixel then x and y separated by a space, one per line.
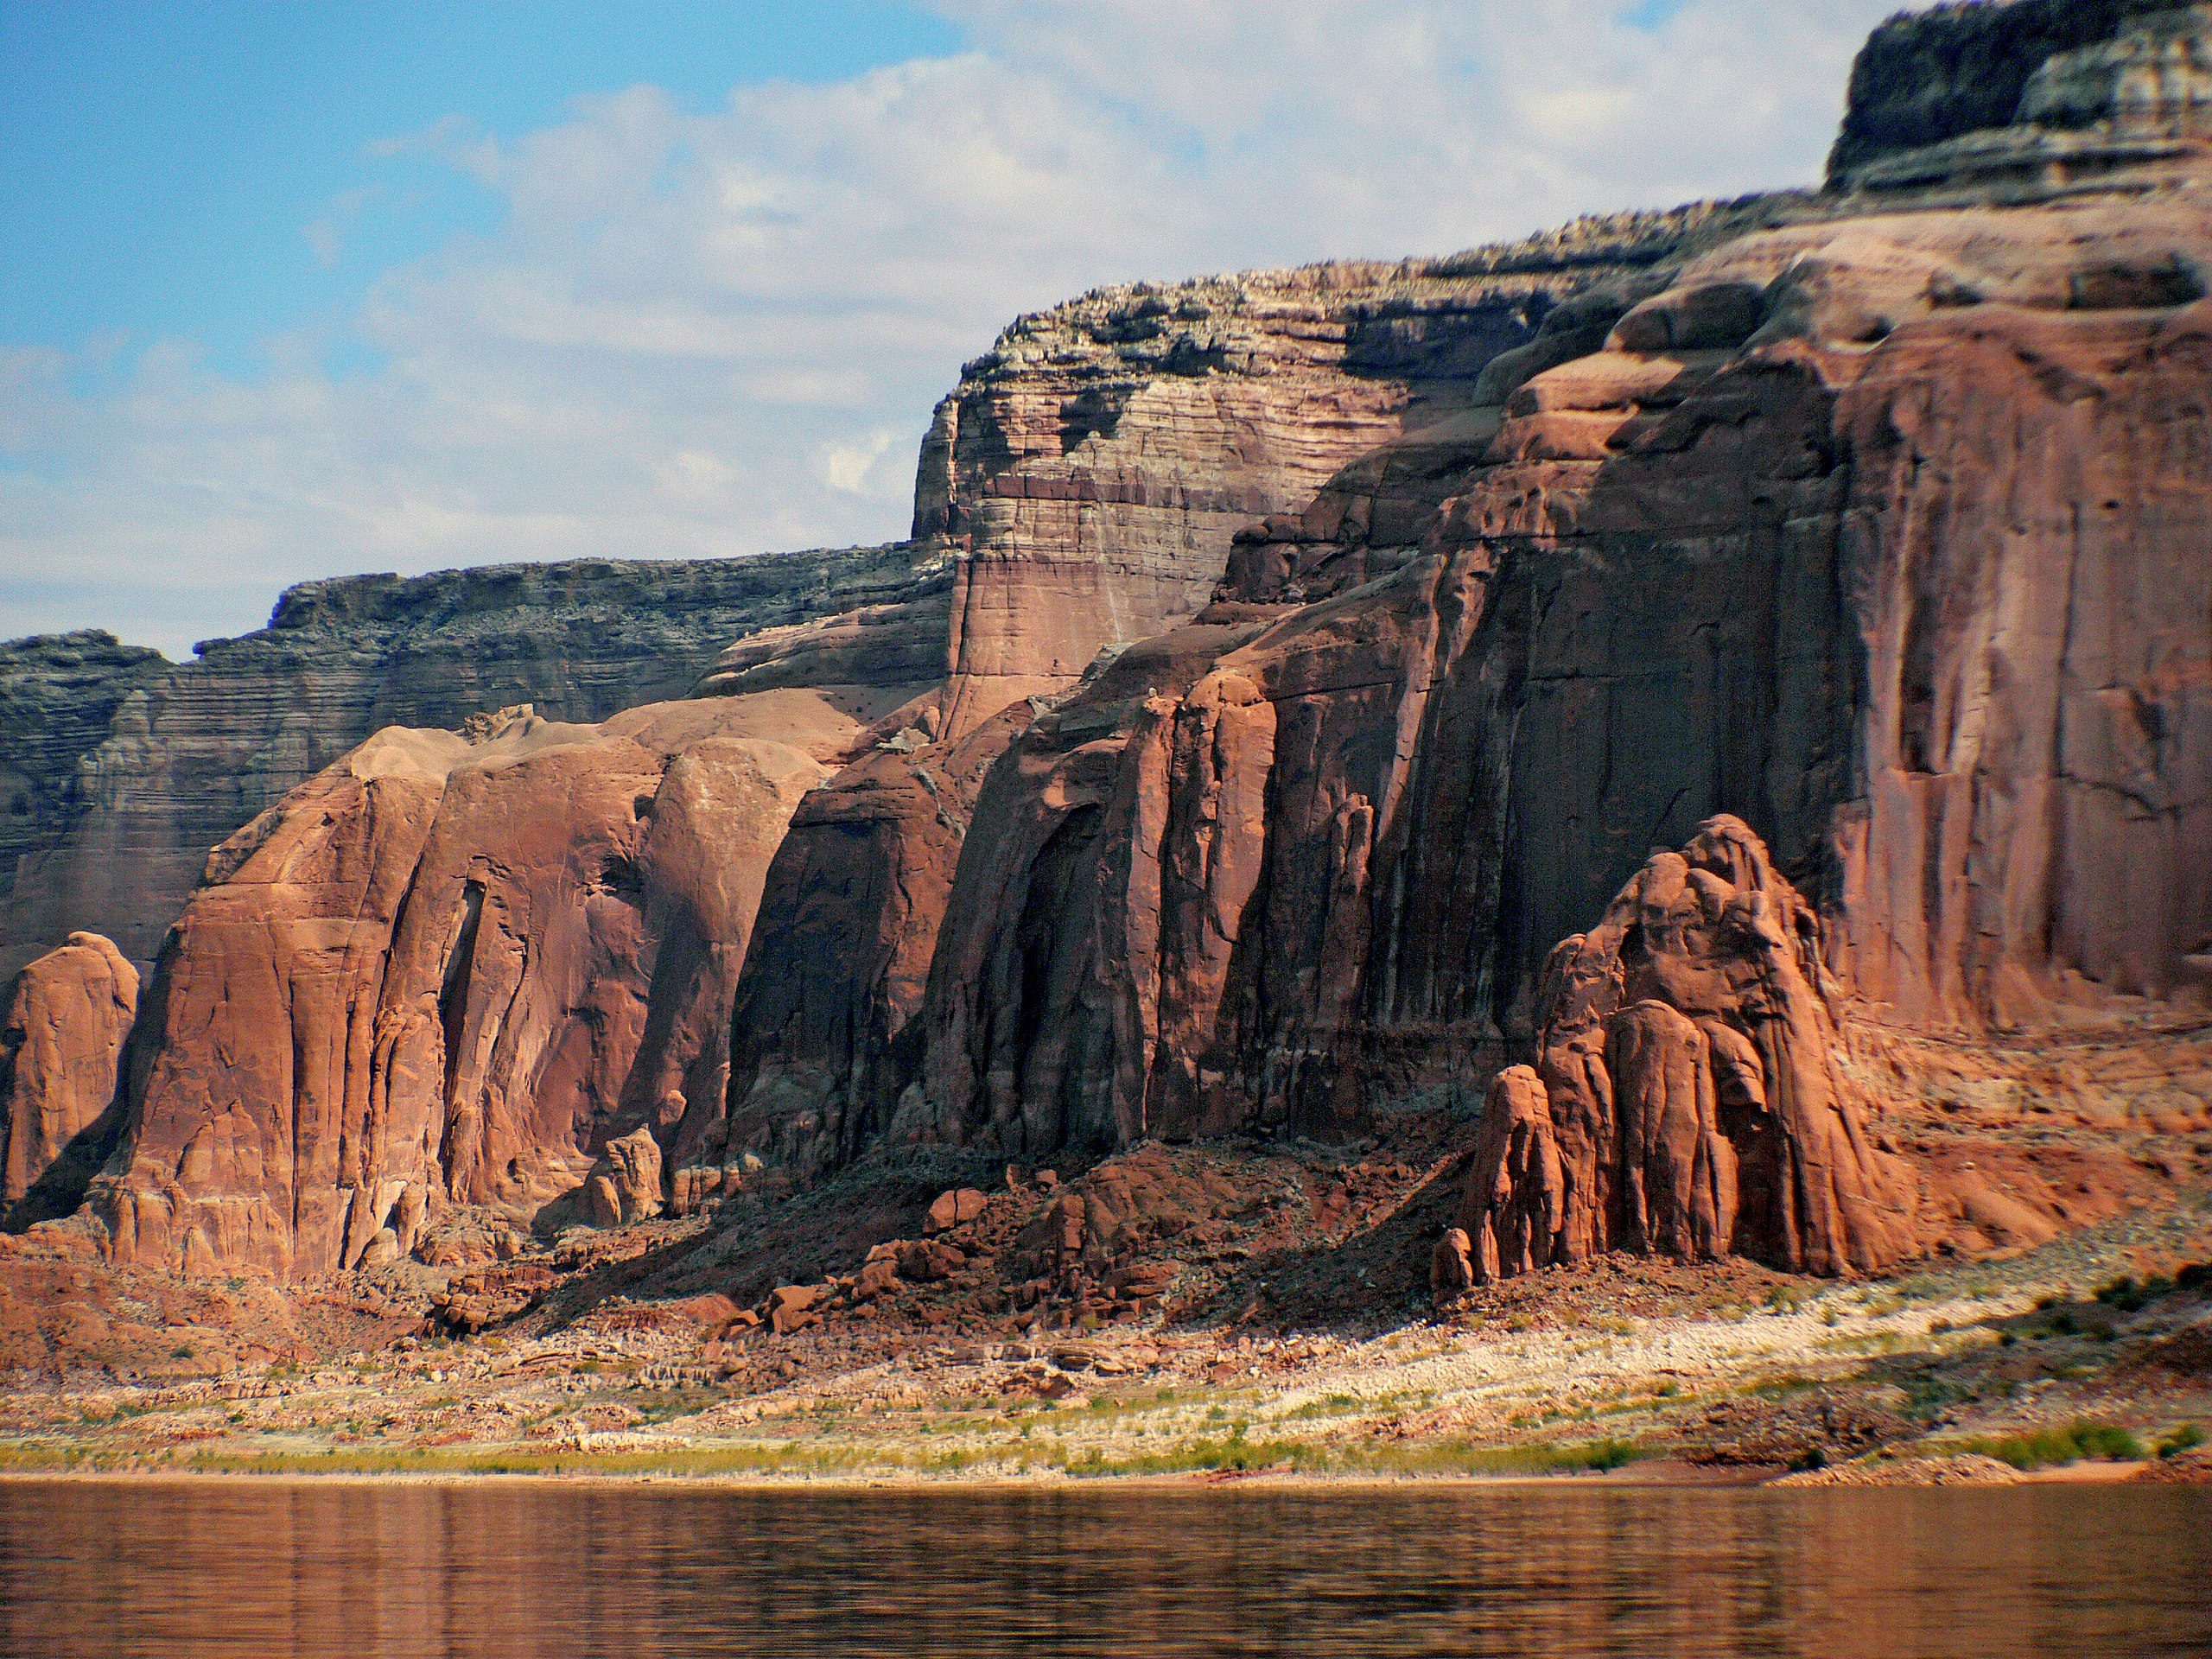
pixel 556 1571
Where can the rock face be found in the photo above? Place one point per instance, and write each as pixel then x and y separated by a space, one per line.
pixel 1686 1100
pixel 59 695
pixel 128 769
pixel 2025 93
pixel 67 1019
pixel 456 965
pixel 1281 666
pixel 1092 467
pixel 1087 478
pixel 1878 534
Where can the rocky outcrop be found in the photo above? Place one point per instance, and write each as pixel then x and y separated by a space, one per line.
pixel 626 1184
pixel 1687 1099
pixel 67 1019
pixel 2014 96
pixel 1879 533
pixel 128 769
pixel 1087 478
pixel 457 966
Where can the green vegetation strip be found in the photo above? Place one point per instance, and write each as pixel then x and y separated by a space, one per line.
pixel 1230 1453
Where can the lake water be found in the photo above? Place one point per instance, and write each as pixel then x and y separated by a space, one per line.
pixel 547 1571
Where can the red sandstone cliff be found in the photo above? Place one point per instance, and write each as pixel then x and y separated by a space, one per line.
pixel 1871 520
pixel 1884 534
pixel 66 1023
pixel 454 967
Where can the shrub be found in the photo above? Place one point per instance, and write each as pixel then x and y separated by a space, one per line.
pixel 2045 1448
pixel 2187 1438
pixel 1600 1454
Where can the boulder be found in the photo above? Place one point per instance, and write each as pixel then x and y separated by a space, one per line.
pixel 954 1209
pixel 1450 1265
pixel 791 1307
pixel 626 1184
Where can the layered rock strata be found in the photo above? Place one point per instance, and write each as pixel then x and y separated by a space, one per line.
pixel 1687 1098
pixel 128 769
pixel 67 1016
pixel 59 694
pixel 1088 478
pixel 1880 534
pixel 2012 98
pixel 458 966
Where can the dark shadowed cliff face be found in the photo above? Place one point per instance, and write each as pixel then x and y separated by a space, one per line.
pixel 1870 533
pixel 130 769
pixel 1088 477
pixel 59 694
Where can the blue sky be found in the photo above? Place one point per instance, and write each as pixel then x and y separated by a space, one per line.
pixel 212 169
pixel 298 289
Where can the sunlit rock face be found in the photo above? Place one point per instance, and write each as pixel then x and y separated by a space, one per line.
pixel 455 965
pixel 1687 1099
pixel 66 1020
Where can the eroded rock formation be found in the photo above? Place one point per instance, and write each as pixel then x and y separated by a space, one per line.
pixel 62 1037
pixel 1280 666
pixel 1687 1099
pixel 1087 478
pixel 457 965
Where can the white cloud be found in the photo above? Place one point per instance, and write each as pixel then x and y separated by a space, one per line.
pixel 695 333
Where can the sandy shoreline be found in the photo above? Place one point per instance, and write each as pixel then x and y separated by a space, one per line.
pixel 1660 1473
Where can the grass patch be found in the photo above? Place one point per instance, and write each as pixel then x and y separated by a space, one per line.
pixel 2052 1448
pixel 1368 1458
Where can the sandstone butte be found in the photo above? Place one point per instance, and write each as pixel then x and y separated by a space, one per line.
pixel 1281 667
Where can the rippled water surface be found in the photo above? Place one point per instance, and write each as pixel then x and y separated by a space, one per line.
pixel 254 1569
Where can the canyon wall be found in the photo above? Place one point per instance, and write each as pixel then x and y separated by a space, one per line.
pixel 122 770
pixel 1282 666
pixel 1089 477
pixel 1881 535
pixel 453 965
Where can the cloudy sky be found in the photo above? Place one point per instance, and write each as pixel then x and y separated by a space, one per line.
pixel 293 289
